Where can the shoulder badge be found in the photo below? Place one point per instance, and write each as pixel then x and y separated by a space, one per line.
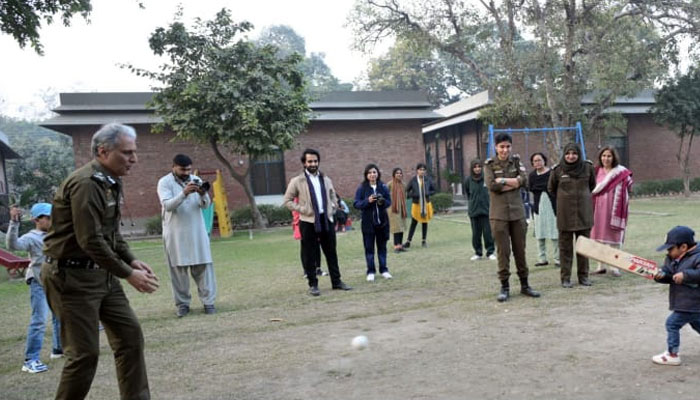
pixel 589 161
pixel 489 160
pixel 555 166
pixel 102 178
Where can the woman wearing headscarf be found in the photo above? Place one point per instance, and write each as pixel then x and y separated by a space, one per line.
pixel 544 204
pixel 571 182
pixel 610 202
pixel 397 211
pixel 419 189
pixel 372 198
pixel 478 197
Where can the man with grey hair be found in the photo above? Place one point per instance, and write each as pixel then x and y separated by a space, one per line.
pixel 85 256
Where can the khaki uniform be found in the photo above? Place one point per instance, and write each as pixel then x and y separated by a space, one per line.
pixel 574 214
pixel 85 255
pixel 507 215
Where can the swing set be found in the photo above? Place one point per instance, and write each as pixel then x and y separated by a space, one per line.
pixel 578 135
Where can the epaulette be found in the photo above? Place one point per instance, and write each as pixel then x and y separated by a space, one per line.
pixel 102 178
pixel 489 160
pixel 555 166
pixel 589 161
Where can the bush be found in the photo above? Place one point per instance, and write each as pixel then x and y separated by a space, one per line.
pixel 662 187
pixel 441 201
pixel 274 215
pixel 355 214
pixel 154 225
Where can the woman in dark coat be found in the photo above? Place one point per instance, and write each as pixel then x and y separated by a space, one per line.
pixel 572 181
pixel 419 189
pixel 372 198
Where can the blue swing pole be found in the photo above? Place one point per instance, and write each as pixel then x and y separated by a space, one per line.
pixel 579 139
pixel 490 145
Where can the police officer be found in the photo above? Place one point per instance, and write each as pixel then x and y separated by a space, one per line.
pixel 85 256
pixel 572 181
pixel 504 176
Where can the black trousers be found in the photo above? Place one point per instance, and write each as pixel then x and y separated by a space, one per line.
pixel 482 228
pixel 310 240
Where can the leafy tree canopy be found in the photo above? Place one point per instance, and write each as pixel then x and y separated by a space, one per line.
pixel 23 18
pixel 226 91
pixel 47 159
pixel 546 55
pixel 288 41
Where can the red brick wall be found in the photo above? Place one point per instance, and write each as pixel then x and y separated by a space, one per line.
pixel 653 148
pixel 345 147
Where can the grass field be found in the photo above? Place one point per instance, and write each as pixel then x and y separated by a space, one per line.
pixel 435 330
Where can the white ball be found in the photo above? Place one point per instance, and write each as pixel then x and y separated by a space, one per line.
pixel 360 342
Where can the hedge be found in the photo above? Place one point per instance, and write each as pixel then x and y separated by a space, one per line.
pixel 441 201
pixel 275 215
pixel 662 187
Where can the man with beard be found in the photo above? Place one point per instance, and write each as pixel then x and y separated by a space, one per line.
pixel 317 202
pixel 182 197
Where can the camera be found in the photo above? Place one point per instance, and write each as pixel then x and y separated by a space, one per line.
pixel 380 199
pixel 204 185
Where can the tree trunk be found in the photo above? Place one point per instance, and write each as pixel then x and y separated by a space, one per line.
pixel 244 180
pixel 686 166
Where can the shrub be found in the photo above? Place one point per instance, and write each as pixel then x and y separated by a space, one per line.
pixel 441 201
pixel 274 215
pixel 154 225
pixel 662 187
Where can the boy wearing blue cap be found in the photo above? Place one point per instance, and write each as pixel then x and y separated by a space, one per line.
pixel 33 242
pixel 682 271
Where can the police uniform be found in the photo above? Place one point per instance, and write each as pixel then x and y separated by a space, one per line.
pixel 85 256
pixel 507 218
pixel 574 214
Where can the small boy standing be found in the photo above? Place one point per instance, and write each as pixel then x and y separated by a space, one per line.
pixel 33 243
pixel 682 271
pixel 478 197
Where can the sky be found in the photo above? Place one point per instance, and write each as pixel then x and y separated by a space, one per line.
pixel 84 57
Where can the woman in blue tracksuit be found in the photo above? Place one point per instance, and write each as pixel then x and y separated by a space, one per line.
pixel 372 198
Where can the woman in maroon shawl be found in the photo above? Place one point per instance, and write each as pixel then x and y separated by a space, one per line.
pixel 610 202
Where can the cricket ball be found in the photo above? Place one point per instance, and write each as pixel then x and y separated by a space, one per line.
pixel 360 342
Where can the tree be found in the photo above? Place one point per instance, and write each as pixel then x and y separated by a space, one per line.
pixel 228 92
pixel 678 107
pixel 47 159
pixel 319 75
pixel 610 48
pixel 22 18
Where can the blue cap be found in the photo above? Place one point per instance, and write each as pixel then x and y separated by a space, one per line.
pixel 40 209
pixel 677 236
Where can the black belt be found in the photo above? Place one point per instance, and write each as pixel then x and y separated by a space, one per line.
pixel 74 263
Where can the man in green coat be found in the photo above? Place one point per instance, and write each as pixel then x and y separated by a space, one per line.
pixel 85 256
pixel 504 176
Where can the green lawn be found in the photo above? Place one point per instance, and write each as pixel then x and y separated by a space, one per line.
pixel 261 279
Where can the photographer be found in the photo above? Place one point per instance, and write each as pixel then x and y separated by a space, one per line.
pixel 183 196
pixel 373 198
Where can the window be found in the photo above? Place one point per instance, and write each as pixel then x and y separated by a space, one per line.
pixel 267 174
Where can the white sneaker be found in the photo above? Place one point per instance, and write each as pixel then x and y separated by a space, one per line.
pixel 370 277
pixel 666 358
pixel 386 275
pixel 493 257
pixel 475 257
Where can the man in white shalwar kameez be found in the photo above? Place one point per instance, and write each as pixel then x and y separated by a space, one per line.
pixel 185 237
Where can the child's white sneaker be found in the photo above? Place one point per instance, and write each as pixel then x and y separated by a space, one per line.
pixel 475 257
pixel 370 277
pixel 666 358
pixel 386 275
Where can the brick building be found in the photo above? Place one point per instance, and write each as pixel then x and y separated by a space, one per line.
pixel 646 148
pixel 350 129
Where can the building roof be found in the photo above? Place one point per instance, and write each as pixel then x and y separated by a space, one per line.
pixel 5 149
pixel 468 109
pixel 78 109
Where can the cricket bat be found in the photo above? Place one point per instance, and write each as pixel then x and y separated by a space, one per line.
pixel 616 257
